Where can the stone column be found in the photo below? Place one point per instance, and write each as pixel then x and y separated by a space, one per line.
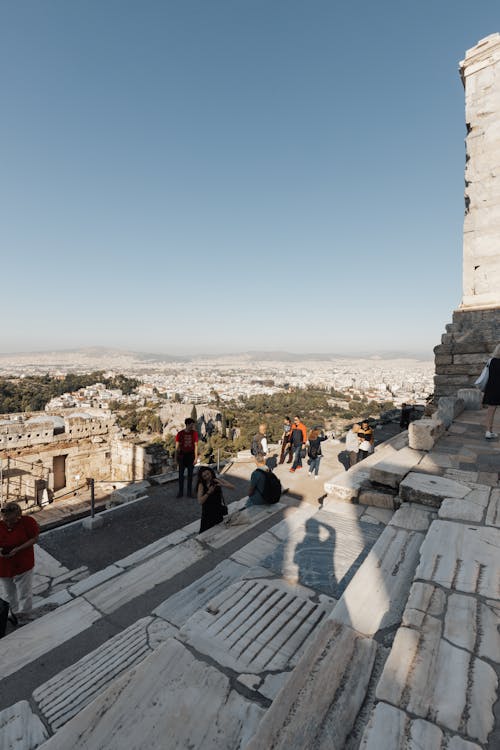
pixel 475 329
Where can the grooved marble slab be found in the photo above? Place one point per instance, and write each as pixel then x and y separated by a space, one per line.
pixel 178 608
pixel 324 552
pixel 155 548
pixel 420 671
pixel 255 626
pixel 493 512
pixel 137 580
pixel 20 729
pixel 317 706
pixel 170 700
pixel 26 644
pixel 63 696
pixel 377 594
pixel 462 557
pixel 430 490
pixel 392 729
pixel 413 517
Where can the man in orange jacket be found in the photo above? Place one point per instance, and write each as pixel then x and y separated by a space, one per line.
pixel 298 439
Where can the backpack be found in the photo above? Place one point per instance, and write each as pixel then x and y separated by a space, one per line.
pixel 313 451
pixel 272 487
pixel 256 445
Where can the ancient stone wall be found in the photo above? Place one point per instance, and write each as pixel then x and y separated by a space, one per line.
pixel 475 329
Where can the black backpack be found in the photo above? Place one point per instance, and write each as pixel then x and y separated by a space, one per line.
pixel 313 451
pixel 272 487
pixel 256 448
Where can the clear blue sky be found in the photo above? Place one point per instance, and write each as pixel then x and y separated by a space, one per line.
pixel 223 175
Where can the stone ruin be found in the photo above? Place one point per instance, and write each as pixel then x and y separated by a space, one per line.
pixel 475 329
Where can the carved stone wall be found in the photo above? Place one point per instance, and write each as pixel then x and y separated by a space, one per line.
pixel 475 329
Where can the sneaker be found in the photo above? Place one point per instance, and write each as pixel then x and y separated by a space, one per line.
pixel 298 467
pixel 292 470
pixel 310 473
pixel 490 435
pixel 316 477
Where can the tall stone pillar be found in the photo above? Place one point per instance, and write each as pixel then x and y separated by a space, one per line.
pixel 475 329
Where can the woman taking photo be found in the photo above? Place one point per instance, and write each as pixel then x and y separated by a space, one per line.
pixel 491 397
pixel 209 493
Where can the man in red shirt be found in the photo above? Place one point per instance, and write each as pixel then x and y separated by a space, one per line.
pixel 186 453
pixel 18 534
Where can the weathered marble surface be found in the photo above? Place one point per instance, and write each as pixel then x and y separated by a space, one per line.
pixel 255 626
pixel 420 670
pixel 153 549
pixel 63 696
pixel 430 490
pixel 94 580
pixel 39 637
pixel 20 729
pixel 318 704
pixel 493 512
pixel 178 608
pixel 413 517
pixel 138 579
pixel 324 552
pixel 392 470
pixel 423 433
pixel 376 596
pixel 392 729
pixel 156 705
pixel 220 535
pixel 463 557
pixel 469 508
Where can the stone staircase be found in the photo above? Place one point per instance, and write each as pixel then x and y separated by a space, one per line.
pixel 297 625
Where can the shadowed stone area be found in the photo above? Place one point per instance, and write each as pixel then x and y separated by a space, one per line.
pixel 324 554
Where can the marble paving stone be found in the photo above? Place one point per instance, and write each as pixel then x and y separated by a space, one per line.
pixel 392 470
pixel 489 478
pixel 493 512
pixel 221 534
pixel 434 461
pixel 58 598
pixel 347 510
pixel 135 581
pixel 377 515
pixel 254 626
pixel 462 557
pixel 256 550
pixel 273 684
pixel 318 704
pixel 23 646
pixel 489 462
pixel 345 485
pixel 377 498
pixel 489 630
pixel 418 674
pixel 392 729
pixel 94 580
pixel 376 596
pixel 430 490
pixel 470 508
pixel 426 599
pixel 178 608
pixel 20 729
pixel 413 517
pixel 63 696
pixel 161 698
pixel 461 475
pixel 324 552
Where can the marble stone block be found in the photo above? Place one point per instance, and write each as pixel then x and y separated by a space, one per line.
pixel 318 704
pixel 178 608
pixel 345 486
pixel 459 556
pixel 254 626
pixel 419 672
pixel 470 508
pixel 472 398
pixel 20 729
pixel 423 433
pixel 377 498
pixel 157 704
pixel 66 694
pixel 135 581
pixel 324 552
pixel 392 729
pixel 23 646
pixel 493 512
pixel 449 407
pixel 413 517
pixel 376 596
pixel 391 471
pixel 430 490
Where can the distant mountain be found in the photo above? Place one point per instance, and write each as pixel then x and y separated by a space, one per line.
pixel 105 354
